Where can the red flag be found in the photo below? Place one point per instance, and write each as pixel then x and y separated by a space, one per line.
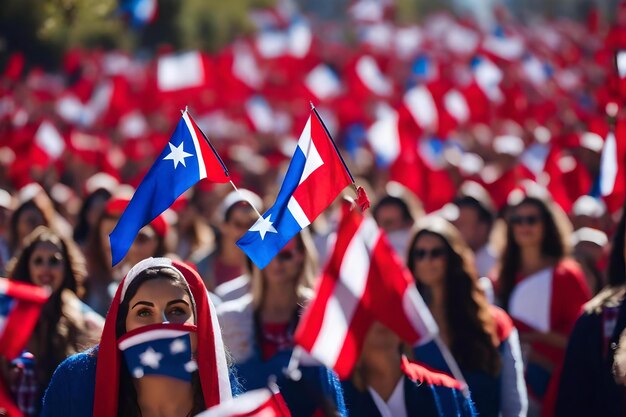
pixel 364 281
pixel 257 403
pixel 20 305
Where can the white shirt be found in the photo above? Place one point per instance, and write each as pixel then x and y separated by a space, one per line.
pixel 485 259
pixel 395 407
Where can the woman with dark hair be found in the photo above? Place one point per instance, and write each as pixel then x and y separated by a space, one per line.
pixel 587 386
pixel 89 213
pixel 541 289
pixel 385 382
pixel 259 329
pixel 103 278
pixel 24 220
pixel 66 325
pixel 161 351
pixel 480 337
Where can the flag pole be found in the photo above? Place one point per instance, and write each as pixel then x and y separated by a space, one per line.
pixel 248 201
pixel 292 371
pixel 452 364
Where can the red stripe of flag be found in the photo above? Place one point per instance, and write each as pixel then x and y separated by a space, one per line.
pixel 215 169
pixel 323 185
pixel 314 316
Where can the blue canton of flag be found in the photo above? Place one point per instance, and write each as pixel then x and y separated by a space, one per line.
pixel 187 158
pixel 162 349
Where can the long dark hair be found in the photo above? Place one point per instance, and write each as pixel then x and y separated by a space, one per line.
pixel 552 246
pixel 56 334
pixel 83 229
pixel 473 335
pixel 14 243
pixel 127 402
pixel 616 272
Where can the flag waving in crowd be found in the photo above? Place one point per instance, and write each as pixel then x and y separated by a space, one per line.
pixel 364 281
pixel 20 306
pixel 316 176
pixel 187 158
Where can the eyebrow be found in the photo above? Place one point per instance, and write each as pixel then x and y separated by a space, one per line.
pixel 145 303
pixel 180 300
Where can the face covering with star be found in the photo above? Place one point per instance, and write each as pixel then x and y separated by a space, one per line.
pixel 159 349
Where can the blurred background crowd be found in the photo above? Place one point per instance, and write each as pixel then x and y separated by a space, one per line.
pixel 490 115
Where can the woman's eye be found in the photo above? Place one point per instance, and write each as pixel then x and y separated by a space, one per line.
pixel 144 312
pixel 177 311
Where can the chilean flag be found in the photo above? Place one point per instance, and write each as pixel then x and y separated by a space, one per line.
pixel 364 281
pixel 20 306
pixel 187 158
pixel 257 403
pixel 316 175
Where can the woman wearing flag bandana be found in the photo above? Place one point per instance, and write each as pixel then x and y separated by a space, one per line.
pixel 65 326
pixel 161 350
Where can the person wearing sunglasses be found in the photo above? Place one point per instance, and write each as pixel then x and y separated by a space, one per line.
pixel 481 338
pixel 258 329
pixel 66 325
pixel 542 289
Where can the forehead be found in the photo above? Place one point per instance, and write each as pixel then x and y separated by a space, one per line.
pixel 240 211
pixel 429 240
pixel 158 289
pixel 46 246
pixel 527 208
pixel 468 213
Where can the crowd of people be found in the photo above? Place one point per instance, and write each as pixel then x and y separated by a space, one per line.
pixel 480 148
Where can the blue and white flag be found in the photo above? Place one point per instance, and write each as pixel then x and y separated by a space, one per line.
pixel 187 158
pixel 161 349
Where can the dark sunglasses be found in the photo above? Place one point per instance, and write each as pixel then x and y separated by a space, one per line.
pixel 52 261
pixel 286 255
pixel 421 254
pixel 143 238
pixel 529 220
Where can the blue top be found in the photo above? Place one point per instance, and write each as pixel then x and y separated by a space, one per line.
pixel 485 388
pixel 72 388
pixel 426 394
pixel 587 386
pixel 318 389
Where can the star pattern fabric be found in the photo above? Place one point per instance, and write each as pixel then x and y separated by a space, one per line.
pixel 263 226
pixel 177 154
pixel 163 350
